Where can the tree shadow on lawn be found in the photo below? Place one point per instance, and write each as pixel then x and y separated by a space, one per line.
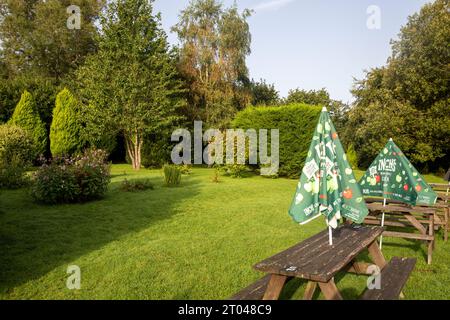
pixel 35 239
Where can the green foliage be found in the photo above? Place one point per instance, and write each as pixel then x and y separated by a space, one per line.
pixel 136 185
pixel 75 179
pixel 235 170
pixel 313 97
pixel 408 98
pixel 37 43
pixel 15 145
pixel 296 125
pixel 216 176
pixel 131 84
pixel 352 157
pixel 43 90
pixel 172 175
pixel 13 175
pixel 338 109
pixel 186 169
pixel 16 154
pixel 66 129
pixel 26 117
pixel 215 42
pixel 264 94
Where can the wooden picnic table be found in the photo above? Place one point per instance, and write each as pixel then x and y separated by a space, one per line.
pixel 318 262
pixel 400 215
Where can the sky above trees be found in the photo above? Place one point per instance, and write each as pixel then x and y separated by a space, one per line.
pixel 313 44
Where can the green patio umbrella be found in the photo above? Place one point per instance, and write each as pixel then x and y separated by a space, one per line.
pixel 327 185
pixel 392 176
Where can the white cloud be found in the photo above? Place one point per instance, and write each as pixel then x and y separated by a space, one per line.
pixel 271 5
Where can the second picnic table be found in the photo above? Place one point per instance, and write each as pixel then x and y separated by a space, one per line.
pixel 405 216
pixel 318 262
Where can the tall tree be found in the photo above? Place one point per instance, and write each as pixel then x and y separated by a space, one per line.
pixel 338 109
pixel 26 116
pixel 408 98
pixel 214 45
pixel 66 129
pixel 264 94
pixel 130 85
pixel 36 40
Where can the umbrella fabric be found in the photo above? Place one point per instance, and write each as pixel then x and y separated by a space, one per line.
pixel 327 185
pixel 392 176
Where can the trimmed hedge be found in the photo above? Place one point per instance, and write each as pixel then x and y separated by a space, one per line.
pixel 296 123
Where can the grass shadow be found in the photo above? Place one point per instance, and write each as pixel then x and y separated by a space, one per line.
pixel 35 239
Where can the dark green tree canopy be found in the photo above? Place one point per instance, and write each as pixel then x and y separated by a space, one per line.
pixel 264 94
pixel 36 40
pixel 408 99
pixel 131 84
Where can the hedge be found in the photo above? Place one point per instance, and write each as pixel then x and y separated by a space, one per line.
pixel 296 123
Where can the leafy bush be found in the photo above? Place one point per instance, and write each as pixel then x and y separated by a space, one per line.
pixel 186 169
pixel 136 185
pixel 172 175
pixel 26 116
pixel 66 129
pixel 235 170
pixel 296 124
pixel 75 179
pixel 16 153
pixel 15 145
pixel 352 156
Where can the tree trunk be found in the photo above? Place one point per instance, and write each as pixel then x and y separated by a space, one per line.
pixel 133 142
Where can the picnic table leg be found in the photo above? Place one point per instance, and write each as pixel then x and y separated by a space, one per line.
pixel 309 291
pixel 376 255
pixel 329 290
pixel 274 287
pixel 446 226
pixel 416 223
pixel 431 242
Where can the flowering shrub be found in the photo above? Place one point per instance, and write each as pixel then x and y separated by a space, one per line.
pixel 74 179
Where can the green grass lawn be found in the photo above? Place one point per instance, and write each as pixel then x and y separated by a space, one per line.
pixel 196 241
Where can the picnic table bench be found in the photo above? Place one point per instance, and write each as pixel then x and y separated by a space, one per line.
pixel 317 262
pixel 420 218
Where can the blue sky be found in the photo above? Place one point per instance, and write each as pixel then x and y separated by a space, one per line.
pixel 312 44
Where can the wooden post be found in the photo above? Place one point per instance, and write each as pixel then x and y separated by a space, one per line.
pixel 446 226
pixel 329 290
pixel 431 242
pixel 309 291
pixel 376 255
pixel 274 287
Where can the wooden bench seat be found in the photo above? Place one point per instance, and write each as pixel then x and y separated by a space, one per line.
pixel 255 291
pixel 393 278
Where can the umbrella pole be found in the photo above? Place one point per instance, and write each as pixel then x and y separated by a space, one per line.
pixel 330 235
pixel 382 222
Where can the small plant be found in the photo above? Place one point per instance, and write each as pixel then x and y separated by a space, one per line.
pixel 172 175
pixel 136 185
pixel 185 169
pixel 216 175
pixel 235 170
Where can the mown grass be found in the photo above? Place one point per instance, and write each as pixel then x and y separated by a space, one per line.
pixel 196 241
